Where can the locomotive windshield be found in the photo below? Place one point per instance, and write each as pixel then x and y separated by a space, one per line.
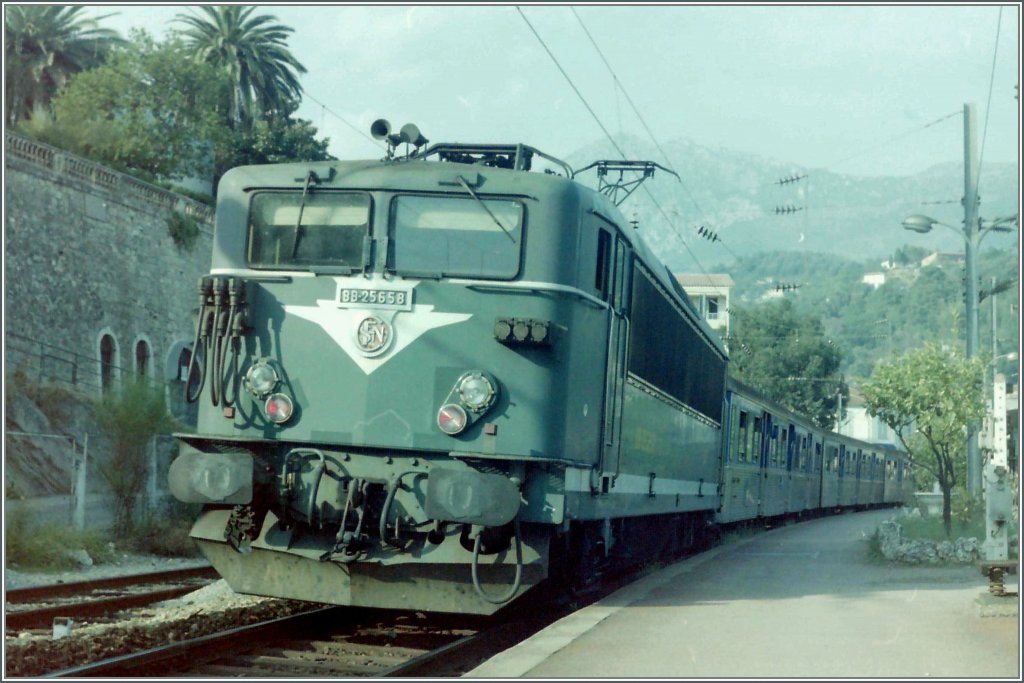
pixel 455 236
pixel 321 228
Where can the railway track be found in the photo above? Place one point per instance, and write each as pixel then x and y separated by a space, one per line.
pixel 346 642
pixel 326 642
pixel 35 608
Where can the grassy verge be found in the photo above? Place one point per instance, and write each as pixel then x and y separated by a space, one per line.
pixel 43 547
pixel 32 546
pixel 165 535
pixel 932 529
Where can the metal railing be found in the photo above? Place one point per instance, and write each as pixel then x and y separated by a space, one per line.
pixel 123 185
pixel 45 362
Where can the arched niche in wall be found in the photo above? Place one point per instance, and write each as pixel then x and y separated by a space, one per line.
pixel 108 355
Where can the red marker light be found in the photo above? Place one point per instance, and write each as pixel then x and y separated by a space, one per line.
pixel 451 419
pixel 279 408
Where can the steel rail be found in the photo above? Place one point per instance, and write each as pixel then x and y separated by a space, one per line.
pixel 50 591
pixel 43 617
pixel 194 650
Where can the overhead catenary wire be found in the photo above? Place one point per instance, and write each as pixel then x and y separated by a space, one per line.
pixel 988 106
pixel 324 107
pixel 607 134
pixel 654 139
pixel 900 136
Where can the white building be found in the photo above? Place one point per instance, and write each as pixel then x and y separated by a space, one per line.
pixel 876 280
pixel 710 294
pixel 859 425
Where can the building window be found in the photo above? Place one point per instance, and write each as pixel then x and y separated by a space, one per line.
pixel 142 355
pixel 184 358
pixel 712 308
pixel 108 353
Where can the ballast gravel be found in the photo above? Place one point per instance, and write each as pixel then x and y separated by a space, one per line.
pixel 212 608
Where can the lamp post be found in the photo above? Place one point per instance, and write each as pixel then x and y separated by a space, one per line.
pixel 972 234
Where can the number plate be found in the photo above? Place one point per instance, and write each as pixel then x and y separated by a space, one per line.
pixel 393 299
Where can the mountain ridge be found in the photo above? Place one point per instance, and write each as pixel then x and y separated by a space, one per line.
pixel 741 198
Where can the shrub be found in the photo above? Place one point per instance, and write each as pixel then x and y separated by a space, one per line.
pixel 183 229
pixel 33 546
pixel 167 534
pixel 966 508
pixel 163 537
pixel 130 419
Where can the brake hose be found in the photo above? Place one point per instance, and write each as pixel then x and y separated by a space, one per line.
pixel 236 298
pixel 202 333
pixel 393 487
pixel 220 313
pixel 519 570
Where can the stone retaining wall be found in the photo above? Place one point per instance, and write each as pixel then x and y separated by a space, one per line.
pixel 87 255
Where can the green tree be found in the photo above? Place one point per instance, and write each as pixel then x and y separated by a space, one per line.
pixel 252 52
pixel 150 110
pixel 787 358
pixel 130 418
pixel 927 397
pixel 44 45
pixel 278 139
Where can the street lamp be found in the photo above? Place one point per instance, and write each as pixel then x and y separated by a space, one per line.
pixel 972 233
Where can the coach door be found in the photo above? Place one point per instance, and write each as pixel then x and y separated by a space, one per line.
pixel 620 266
pixel 764 497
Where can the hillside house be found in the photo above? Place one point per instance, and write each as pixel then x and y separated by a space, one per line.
pixel 939 258
pixel 876 280
pixel 710 294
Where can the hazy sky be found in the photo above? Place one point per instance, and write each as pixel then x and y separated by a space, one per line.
pixel 847 88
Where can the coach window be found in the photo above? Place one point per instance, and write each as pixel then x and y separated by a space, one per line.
pixel 743 436
pixel 292 229
pixel 755 450
pixel 456 236
pixel 746 437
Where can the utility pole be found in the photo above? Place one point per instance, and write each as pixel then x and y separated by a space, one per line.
pixel 970 202
pixel 839 412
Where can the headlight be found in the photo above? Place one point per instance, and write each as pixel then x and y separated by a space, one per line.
pixel 451 418
pixel 476 392
pixel 261 379
pixel 279 408
pixel 196 477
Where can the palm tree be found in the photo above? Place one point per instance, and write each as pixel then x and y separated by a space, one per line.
pixel 252 52
pixel 44 45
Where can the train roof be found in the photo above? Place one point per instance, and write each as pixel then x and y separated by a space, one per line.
pixel 751 394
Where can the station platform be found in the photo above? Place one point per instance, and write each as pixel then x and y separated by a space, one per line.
pixel 800 601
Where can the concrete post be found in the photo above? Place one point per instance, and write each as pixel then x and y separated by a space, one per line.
pixel 80 489
pixel 151 478
pixel 998 492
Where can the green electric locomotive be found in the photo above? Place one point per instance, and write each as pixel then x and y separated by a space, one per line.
pixel 432 381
